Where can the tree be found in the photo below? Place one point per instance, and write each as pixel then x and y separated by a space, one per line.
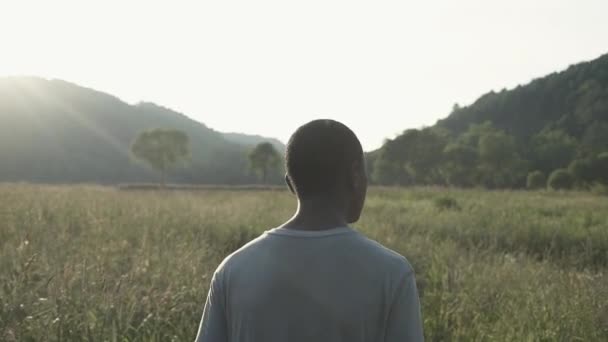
pixel 499 163
pixel 412 157
pixel 496 148
pixel 588 171
pixel 161 149
pixel 370 162
pixel 475 131
pixel 389 172
pixel 553 149
pixel 389 166
pixel 561 179
pixel 601 167
pixel 536 180
pixel 582 171
pixel 264 158
pixel 385 172
pixel 595 138
pixel 459 160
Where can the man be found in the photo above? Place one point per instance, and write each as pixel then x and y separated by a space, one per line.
pixel 314 278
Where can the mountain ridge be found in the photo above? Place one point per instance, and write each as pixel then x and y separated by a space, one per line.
pixel 58 131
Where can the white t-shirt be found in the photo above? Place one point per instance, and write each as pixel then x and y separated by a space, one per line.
pixel 330 285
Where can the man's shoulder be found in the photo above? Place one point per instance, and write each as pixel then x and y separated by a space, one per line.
pixel 384 255
pixel 366 248
pixel 243 252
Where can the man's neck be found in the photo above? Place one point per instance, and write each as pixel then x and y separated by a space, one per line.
pixel 317 214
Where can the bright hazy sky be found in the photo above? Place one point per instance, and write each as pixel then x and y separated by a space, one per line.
pixel 265 67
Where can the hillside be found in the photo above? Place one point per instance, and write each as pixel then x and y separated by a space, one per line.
pixel 573 100
pixel 55 131
pixel 559 121
pixel 253 139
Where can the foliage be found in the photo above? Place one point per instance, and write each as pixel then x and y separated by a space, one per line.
pixel 413 157
pixel 456 169
pixel 583 171
pixel 503 136
pixel 595 138
pixel 264 158
pixel 446 203
pixel 92 263
pixel 161 148
pixel 599 189
pixel 536 180
pixel 553 149
pixel 388 172
pixel 601 165
pixel 499 165
pixel 560 179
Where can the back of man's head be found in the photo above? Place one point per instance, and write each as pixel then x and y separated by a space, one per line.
pixel 321 156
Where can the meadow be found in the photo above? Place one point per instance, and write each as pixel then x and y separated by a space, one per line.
pixel 88 263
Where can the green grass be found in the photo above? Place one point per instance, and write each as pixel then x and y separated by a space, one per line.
pixel 93 263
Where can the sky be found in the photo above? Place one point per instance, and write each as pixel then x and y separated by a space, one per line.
pixel 266 67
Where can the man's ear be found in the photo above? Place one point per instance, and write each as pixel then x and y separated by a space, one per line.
pixel 289 185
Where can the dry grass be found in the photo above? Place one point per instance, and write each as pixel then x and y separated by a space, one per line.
pixel 93 263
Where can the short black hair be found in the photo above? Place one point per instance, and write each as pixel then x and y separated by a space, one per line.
pixel 321 154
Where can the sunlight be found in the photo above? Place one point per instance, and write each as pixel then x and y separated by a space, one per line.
pixel 238 66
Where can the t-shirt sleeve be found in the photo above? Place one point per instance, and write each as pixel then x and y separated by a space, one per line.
pixel 213 326
pixel 404 320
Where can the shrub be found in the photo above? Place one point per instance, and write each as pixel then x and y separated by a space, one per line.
pixel 602 167
pixel 561 179
pixel 536 180
pixel 599 189
pixel 446 203
pixel 582 170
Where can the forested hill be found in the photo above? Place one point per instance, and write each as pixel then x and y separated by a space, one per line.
pixel 252 140
pixel 559 121
pixel 55 131
pixel 572 100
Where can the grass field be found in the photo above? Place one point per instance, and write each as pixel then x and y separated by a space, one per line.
pixel 99 264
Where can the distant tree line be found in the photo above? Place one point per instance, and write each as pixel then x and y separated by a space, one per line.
pixel 163 149
pixel 488 157
pixel 552 133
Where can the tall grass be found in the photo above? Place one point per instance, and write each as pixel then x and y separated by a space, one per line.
pixel 93 263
